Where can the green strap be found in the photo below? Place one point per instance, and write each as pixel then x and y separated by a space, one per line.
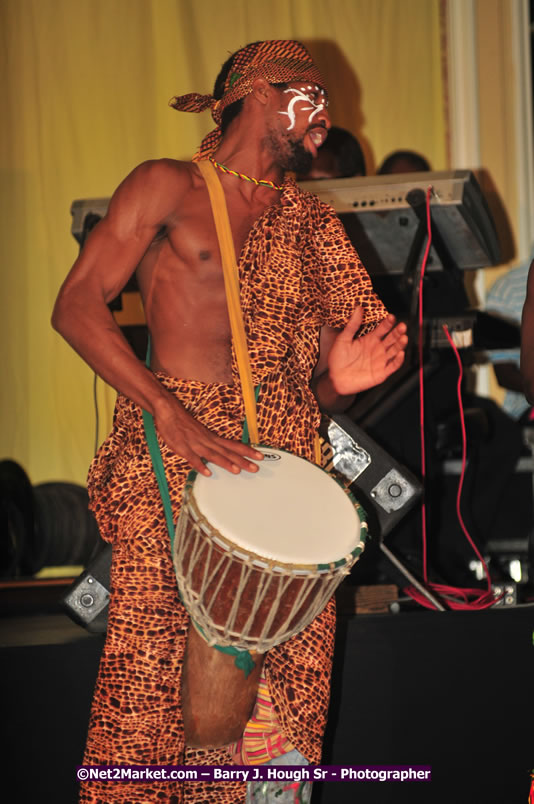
pixel 159 471
pixel 245 438
pixel 243 659
pixel 157 462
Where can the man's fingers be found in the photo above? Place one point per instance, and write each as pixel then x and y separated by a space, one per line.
pixel 395 341
pixel 397 360
pixel 385 327
pixel 393 364
pixel 199 457
pixel 197 463
pixel 198 445
pixel 242 449
pixel 353 325
pixel 233 456
pixel 387 330
pixel 236 456
pixel 396 337
pixel 242 456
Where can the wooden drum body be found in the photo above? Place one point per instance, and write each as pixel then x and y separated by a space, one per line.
pixel 257 558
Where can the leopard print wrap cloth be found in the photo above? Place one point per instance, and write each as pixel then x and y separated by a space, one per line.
pixel 298 271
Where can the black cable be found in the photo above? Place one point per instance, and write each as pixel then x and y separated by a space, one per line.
pixel 97 422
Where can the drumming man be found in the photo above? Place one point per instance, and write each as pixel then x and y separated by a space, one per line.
pixel 304 296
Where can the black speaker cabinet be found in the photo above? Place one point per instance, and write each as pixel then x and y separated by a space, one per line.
pixel 386 489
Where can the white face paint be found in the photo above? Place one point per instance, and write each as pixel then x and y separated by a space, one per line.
pixel 310 94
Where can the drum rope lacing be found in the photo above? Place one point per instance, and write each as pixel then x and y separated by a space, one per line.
pixel 206 569
pixel 209 563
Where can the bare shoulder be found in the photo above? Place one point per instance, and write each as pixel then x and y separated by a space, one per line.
pixel 160 172
pixel 152 190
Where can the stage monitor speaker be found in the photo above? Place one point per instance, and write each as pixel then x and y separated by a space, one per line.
pixel 385 488
pixel 86 601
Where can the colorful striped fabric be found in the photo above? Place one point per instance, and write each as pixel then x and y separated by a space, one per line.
pixel 262 739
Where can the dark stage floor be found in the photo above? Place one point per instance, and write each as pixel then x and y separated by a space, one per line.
pixel 452 690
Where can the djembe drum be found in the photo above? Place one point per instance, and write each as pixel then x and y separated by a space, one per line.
pixel 257 558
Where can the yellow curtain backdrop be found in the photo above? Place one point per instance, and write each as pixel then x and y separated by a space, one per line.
pixel 85 88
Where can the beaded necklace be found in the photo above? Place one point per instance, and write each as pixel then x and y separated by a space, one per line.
pixel 260 182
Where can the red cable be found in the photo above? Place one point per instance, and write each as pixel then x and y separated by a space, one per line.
pixel 469 598
pixel 464 455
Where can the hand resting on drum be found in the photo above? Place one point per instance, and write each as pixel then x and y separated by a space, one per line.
pixel 187 437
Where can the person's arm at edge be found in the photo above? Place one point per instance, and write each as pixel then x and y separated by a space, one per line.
pixel 527 338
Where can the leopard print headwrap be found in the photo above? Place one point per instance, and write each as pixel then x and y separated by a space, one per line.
pixel 278 61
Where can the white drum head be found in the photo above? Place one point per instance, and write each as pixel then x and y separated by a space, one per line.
pixel 289 511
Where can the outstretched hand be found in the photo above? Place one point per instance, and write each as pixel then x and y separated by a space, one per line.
pixel 356 364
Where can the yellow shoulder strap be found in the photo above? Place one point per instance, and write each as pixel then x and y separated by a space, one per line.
pixel 231 285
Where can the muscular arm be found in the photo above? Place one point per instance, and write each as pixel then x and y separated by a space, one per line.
pixel 527 339
pixel 138 209
pixel 110 256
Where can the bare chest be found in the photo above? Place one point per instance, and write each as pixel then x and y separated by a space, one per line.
pixel 186 253
pixel 182 284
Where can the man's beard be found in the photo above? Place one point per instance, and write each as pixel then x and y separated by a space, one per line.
pixel 290 154
pixel 298 158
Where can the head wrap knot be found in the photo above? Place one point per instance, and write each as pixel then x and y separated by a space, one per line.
pixel 277 61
